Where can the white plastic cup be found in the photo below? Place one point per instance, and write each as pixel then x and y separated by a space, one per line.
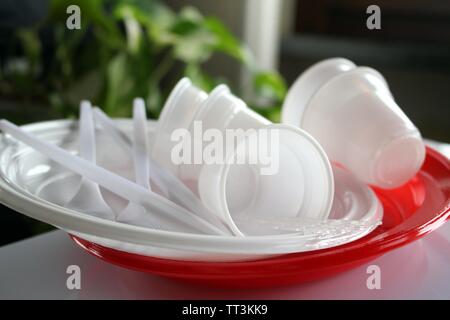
pixel 301 187
pixel 181 105
pixel 304 88
pixel 190 173
pixel 357 121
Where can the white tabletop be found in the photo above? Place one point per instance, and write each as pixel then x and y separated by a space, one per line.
pixel 36 269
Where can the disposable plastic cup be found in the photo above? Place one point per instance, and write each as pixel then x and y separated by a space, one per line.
pixel 180 107
pixel 304 88
pixel 309 82
pixel 302 188
pixel 191 172
pixel 298 182
pixel 357 121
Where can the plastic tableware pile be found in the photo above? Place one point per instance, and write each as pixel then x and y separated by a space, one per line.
pixel 124 190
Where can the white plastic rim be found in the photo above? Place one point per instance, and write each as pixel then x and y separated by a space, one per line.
pixel 223 110
pixel 398 160
pixel 173 254
pixel 307 84
pixel 210 103
pixel 302 188
pixel 16 197
pixel 181 105
pixel 359 125
pixel 190 172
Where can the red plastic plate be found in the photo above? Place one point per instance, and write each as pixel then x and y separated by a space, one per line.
pixel 410 212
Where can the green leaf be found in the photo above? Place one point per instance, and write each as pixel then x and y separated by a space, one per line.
pixel 184 27
pixel 270 85
pixel 191 14
pixel 157 18
pixel 191 41
pixel 154 99
pixel 195 47
pixel 198 77
pixel 226 42
pixel 119 83
pixel 133 30
pixel 273 114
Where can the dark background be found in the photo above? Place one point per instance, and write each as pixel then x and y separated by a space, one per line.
pixel 412 51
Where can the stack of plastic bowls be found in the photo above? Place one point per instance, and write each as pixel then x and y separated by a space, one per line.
pixel 297 184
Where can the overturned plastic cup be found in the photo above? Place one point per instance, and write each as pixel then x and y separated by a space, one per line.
pixel 357 121
pixel 264 170
pixel 310 81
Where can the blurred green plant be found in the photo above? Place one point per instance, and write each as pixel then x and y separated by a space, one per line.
pixel 127 49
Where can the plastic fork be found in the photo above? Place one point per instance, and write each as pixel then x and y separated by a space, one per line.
pixel 133 212
pixel 88 197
